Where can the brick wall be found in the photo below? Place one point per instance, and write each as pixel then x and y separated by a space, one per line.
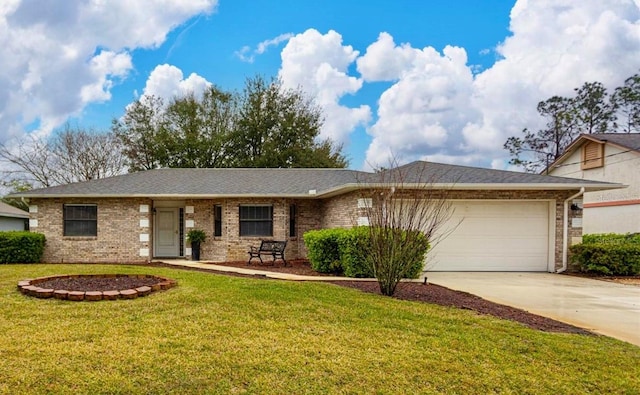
pixel 230 246
pixel 118 238
pixel 340 211
pixel 122 226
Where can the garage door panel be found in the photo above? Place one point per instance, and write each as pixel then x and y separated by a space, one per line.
pixel 486 228
pixel 494 236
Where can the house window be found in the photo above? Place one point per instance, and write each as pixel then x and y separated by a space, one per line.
pixel 592 155
pixel 292 220
pixel 80 219
pixel 217 220
pixel 256 220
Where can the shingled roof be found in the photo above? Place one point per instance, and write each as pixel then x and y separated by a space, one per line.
pixel 7 210
pixel 625 140
pixel 310 183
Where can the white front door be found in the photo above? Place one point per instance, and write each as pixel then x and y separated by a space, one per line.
pixel 167 232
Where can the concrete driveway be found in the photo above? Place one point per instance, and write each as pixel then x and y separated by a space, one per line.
pixel 604 307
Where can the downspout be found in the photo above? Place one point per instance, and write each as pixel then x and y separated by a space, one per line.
pixel 565 230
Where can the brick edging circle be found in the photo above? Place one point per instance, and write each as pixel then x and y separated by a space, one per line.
pixel 30 287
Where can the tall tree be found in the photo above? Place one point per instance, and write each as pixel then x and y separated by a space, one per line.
pixel 535 151
pixel 279 127
pixel 71 155
pixel 593 111
pixel 626 100
pixel 139 131
pixel 195 132
pixel 265 125
pixel 83 155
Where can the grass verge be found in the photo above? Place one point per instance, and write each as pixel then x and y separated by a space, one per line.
pixel 218 334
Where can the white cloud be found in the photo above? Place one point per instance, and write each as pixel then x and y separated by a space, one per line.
pixel 556 46
pixel 247 55
pixel 58 57
pixel 438 109
pixel 167 81
pixel 423 112
pixel 318 64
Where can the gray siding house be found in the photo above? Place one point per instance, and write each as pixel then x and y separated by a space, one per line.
pixel 12 218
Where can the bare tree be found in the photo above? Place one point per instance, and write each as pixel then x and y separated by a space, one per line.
pixel 68 156
pixel 407 213
pixel 28 160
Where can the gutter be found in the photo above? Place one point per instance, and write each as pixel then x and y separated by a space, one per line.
pixel 565 230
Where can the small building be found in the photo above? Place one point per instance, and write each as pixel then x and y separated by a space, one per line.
pixel 12 218
pixel 608 157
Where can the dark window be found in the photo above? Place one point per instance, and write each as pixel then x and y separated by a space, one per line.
pixel 256 220
pixel 80 219
pixel 217 220
pixel 292 220
pixel 181 222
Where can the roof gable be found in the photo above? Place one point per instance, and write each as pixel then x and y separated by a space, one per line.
pixel 629 142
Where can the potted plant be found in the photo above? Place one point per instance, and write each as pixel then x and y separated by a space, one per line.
pixel 195 237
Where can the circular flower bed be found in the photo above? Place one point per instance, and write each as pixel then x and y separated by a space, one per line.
pixel 94 287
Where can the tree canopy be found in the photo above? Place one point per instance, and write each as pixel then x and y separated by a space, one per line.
pixel 264 125
pixel 70 155
pixel 591 110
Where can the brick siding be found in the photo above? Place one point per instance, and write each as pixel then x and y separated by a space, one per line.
pixel 119 225
pixel 118 236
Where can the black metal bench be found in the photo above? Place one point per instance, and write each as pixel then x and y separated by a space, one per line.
pixel 273 248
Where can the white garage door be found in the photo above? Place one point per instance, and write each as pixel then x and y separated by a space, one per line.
pixel 495 236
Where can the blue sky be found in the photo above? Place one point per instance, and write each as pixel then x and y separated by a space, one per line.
pixel 434 80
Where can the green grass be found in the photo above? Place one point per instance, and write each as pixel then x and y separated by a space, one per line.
pixel 217 334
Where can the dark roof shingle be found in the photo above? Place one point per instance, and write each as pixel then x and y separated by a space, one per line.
pixel 298 182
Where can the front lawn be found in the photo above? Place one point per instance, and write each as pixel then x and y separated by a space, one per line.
pixel 218 334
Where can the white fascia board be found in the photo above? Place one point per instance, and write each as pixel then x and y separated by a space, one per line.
pixel 595 186
pixel 480 186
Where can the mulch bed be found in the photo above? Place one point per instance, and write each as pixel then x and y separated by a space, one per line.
pixel 419 292
pixel 93 283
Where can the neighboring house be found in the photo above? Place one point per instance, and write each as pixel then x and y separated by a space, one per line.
pixel 510 221
pixel 12 218
pixel 610 157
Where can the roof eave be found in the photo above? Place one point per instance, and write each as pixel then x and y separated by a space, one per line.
pixel 344 189
pixel 9 215
pixel 163 196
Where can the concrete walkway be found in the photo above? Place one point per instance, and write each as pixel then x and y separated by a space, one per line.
pixel 603 307
pixel 254 271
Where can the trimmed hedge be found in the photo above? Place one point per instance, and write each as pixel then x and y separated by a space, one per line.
pixel 354 248
pixel 345 251
pixel 611 238
pixel 324 249
pixel 21 247
pixel 608 254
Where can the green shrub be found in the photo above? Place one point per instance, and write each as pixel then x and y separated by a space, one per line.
pixel 607 258
pixel 416 255
pixel 611 238
pixel 323 248
pixel 355 245
pixel 21 247
pixel 345 251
